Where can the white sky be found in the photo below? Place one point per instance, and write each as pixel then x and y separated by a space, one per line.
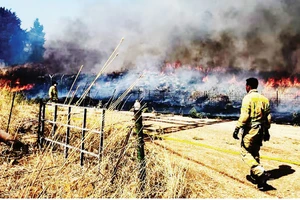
pixel 152 28
pixel 49 12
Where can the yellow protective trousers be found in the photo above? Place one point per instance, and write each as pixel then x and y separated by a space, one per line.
pixel 250 146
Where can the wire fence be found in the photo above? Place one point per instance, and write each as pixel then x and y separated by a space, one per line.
pixel 73 119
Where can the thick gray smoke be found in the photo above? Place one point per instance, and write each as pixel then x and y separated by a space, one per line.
pixel 247 35
pixel 225 39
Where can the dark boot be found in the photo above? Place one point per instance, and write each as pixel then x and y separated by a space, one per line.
pixel 252 178
pixel 262 181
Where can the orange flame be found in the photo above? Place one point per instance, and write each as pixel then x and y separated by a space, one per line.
pixel 22 88
pixel 14 87
pixel 282 83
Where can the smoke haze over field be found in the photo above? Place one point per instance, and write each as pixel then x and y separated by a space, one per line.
pixel 248 35
pixel 183 53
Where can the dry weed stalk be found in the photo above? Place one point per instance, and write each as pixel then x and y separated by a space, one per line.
pixel 106 64
pixel 46 173
pixel 72 86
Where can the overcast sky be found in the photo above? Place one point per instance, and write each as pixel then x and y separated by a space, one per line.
pixel 53 14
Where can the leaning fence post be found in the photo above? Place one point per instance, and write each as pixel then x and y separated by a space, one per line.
pixel 11 108
pixel 83 137
pixel 140 146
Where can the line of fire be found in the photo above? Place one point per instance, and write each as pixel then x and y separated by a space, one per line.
pixel 175 88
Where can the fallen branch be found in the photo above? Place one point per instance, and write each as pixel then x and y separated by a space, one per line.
pixel 12 142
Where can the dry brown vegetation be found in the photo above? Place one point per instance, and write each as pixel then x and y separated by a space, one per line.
pixel 45 173
pixel 202 162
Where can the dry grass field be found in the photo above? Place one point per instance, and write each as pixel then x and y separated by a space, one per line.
pixel 185 158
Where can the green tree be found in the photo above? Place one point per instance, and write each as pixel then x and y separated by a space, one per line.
pixel 12 38
pixel 36 39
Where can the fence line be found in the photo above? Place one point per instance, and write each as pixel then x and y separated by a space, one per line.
pixel 66 144
pixel 138 131
pixel 71 126
pixel 71 147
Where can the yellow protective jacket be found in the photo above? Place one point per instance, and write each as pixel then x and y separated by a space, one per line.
pixel 255 110
pixel 53 93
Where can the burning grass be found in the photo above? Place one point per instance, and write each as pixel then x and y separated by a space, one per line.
pixel 45 173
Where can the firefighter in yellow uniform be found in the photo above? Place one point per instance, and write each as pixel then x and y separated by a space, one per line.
pixel 53 93
pixel 255 120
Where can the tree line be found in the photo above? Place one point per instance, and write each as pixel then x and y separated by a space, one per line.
pixel 18 46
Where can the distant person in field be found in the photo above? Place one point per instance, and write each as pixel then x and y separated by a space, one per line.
pixel 53 93
pixel 255 120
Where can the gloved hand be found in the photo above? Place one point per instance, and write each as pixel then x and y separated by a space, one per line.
pixel 266 135
pixel 235 133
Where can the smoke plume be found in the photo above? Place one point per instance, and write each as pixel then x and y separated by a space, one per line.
pixel 246 35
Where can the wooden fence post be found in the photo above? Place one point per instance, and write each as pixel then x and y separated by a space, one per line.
pixel 140 146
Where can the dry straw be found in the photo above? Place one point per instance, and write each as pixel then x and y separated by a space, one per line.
pixel 46 173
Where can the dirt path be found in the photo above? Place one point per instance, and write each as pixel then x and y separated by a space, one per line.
pixel 215 161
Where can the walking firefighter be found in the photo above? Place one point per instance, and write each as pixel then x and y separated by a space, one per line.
pixel 255 121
